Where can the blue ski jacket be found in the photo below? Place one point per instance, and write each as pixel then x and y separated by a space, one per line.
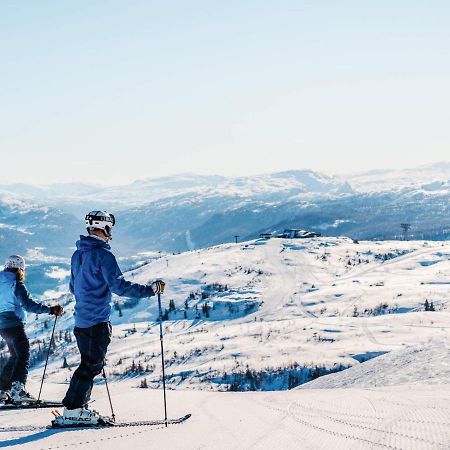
pixel 94 276
pixel 15 300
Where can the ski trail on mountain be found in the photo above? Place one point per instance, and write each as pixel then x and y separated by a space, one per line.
pixel 393 262
pixel 284 281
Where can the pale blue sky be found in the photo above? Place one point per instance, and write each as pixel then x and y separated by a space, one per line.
pixel 111 91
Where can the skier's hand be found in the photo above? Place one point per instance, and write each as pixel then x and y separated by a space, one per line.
pixel 158 286
pixel 56 310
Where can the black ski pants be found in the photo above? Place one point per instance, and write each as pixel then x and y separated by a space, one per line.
pixel 16 367
pixel 92 343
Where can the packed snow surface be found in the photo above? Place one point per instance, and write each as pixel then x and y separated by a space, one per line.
pixel 359 419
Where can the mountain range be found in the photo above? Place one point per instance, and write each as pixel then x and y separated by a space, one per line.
pixel 188 211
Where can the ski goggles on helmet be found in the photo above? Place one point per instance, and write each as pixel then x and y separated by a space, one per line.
pixel 91 219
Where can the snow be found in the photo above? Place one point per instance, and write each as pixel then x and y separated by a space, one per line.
pixel 285 308
pixel 431 177
pixel 282 310
pixel 140 192
pixel 386 418
pixel 428 364
pixel 57 273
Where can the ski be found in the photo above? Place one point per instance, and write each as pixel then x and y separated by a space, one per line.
pixel 110 424
pixel 30 405
pixel 143 423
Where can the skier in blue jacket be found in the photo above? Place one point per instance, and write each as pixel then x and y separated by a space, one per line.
pixel 95 274
pixel 15 300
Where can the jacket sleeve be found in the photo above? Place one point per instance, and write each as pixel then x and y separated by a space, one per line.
pixel 117 283
pixel 73 261
pixel 27 302
pixel 71 283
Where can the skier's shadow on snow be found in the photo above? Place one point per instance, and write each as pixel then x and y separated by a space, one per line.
pixel 32 437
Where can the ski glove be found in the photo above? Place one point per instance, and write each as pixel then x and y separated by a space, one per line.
pixel 158 286
pixel 56 310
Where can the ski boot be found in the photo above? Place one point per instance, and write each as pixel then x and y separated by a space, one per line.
pixel 80 417
pixel 19 394
pixel 5 396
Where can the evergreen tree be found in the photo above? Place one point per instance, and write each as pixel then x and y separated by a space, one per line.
pixel 316 373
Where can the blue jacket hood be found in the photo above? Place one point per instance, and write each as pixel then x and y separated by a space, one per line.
pixel 87 243
pixel 7 276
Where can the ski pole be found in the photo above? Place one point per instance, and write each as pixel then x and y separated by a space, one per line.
pixel 109 396
pixel 162 357
pixel 46 361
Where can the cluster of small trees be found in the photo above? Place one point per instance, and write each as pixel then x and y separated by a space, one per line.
pixel 135 368
pixel 356 261
pixel 360 258
pixel 391 255
pixel 380 309
pixel 319 338
pixel 39 348
pixel 274 378
pixel 126 304
pixel 205 308
pixel 429 306
pixel 246 270
pixel 139 368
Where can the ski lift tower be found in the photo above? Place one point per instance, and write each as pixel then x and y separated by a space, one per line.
pixel 405 227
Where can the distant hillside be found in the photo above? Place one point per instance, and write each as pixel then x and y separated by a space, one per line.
pixel 182 223
pixel 25 226
pixel 187 211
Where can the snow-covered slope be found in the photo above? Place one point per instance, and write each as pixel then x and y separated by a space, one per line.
pixel 283 313
pixel 424 364
pixel 381 180
pixel 272 314
pixel 153 189
pixel 397 418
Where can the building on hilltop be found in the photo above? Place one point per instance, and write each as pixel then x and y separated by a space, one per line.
pixel 295 233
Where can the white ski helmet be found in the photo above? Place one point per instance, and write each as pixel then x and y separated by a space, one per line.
pixel 100 220
pixel 15 262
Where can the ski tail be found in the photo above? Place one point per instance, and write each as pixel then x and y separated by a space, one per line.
pixel 30 405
